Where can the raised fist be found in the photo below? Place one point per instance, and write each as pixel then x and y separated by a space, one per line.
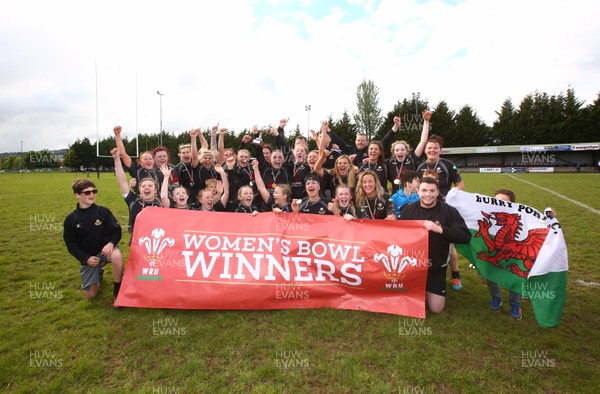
pixel 427 115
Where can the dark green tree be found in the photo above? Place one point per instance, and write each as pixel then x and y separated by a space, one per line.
pixel 410 123
pixel 573 122
pixel 469 130
pixel 504 128
pixel 388 122
pixel 443 123
pixel 522 120
pixel 11 163
pixel 344 128
pixel 85 151
pixel 590 123
pixel 71 160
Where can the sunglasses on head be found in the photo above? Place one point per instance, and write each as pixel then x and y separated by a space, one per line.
pixel 88 192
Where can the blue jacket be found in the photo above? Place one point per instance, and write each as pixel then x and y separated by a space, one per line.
pixel 400 199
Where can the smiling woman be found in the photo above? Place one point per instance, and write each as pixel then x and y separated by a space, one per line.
pixel 148 190
pixel 312 203
pixel 372 202
pixel 448 174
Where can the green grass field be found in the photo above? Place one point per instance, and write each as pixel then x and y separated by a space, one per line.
pixel 54 340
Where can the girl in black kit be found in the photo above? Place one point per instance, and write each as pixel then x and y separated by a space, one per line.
pixel 275 174
pixel 312 203
pixel 376 163
pixel 342 203
pixel 295 163
pixel 277 202
pixel 180 198
pixel 145 167
pixel 240 174
pixel 207 169
pixel 448 174
pixel 342 173
pixel 148 190
pixel 244 201
pixel 372 202
pixel 187 170
pixel 402 158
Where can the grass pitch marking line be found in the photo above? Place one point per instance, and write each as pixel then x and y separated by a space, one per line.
pixel 588 284
pixel 596 211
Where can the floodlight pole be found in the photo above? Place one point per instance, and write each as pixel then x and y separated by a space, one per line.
pixel 161 126
pixel 416 97
pixel 307 109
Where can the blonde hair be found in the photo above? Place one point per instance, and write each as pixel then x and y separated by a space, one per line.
pixel 210 182
pixel 361 196
pixel 351 178
pixel 286 190
pixel 239 193
pixel 206 152
pixel 146 152
pixel 406 145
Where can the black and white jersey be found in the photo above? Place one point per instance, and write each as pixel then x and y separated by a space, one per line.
pixel 375 208
pixel 318 207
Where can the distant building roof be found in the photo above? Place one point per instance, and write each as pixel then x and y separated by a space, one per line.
pixel 522 148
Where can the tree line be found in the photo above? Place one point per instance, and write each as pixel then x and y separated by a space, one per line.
pixel 539 118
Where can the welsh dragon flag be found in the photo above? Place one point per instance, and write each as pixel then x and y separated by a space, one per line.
pixel 513 246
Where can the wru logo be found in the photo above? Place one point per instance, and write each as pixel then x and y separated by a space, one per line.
pixel 156 244
pixel 393 262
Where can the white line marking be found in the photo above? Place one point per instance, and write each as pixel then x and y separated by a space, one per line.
pixel 588 284
pixel 596 211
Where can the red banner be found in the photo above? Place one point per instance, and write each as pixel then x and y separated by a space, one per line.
pixel 203 260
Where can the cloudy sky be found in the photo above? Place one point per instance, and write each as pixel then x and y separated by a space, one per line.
pixel 70 69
